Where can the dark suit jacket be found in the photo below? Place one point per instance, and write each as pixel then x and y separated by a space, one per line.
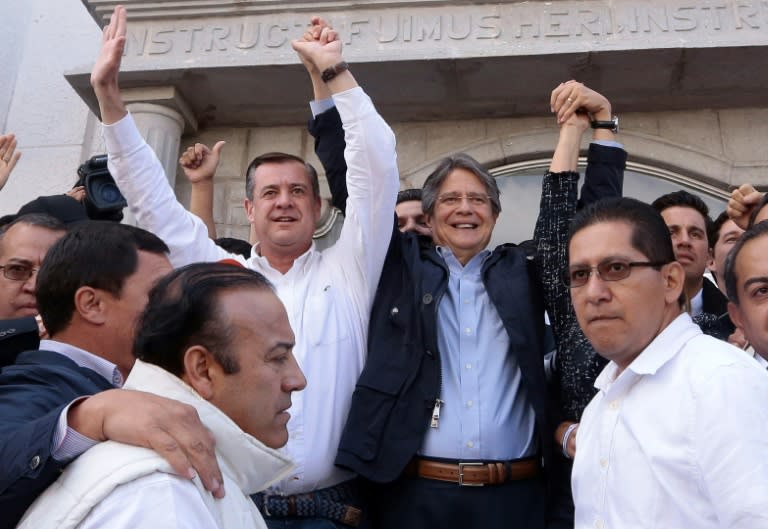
pixel 17 335
pixel 714 319
pixel 33 393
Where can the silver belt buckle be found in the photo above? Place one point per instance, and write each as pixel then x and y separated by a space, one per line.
pixel 461 473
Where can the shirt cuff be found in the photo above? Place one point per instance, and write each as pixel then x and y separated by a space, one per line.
pixel 122 136
pixel 321 105
pixel 608 143
pixel 67 443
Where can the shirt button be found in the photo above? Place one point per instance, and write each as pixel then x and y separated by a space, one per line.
pixel 468 331
pixel 469 404
pixel 470 444
pixel 34 462
pixel 598 524
pixel 615 405
pixel 466 302
pixel 603 462
pixel 468 366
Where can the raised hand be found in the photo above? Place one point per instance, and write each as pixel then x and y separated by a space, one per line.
pixel 200 163
pixel 320 46
pixel 8 157
pixel 572 96
pixel 107 67
pixel 743 200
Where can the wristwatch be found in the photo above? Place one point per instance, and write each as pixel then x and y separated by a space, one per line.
pixel 612 125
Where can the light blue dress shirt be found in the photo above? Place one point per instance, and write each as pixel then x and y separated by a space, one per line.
pixel 486 413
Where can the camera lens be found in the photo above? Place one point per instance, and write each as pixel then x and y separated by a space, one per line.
pixel 109 193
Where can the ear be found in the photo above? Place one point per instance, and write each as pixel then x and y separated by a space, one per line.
pixel 674 281
pixel 248 205
pixel 201 371
pixel 317 208
pixel 91 304
pixel 711 263
pixel 734 311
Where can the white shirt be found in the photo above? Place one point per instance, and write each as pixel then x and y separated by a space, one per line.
pixel 677 440
pixel 327 295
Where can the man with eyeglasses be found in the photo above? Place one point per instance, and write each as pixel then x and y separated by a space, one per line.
pixel 677 435
pixel 23 245
pixel 449 422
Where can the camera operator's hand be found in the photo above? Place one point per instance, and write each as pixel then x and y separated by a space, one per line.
pixel 107 66
pixel 78 193
pixel 8 157
pixel 200 163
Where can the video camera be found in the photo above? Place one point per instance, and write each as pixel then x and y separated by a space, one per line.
pixel 103 200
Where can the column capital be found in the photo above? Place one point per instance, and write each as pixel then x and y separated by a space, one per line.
pixel 163 96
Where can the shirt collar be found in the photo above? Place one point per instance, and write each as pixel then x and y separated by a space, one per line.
pixel 83 358
pixel 660 351
pixel 697 303
pixel 474 264
pixel 259 262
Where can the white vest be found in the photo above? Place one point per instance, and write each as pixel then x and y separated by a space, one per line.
pixel 246 464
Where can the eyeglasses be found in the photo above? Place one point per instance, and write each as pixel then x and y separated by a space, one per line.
pixel 613 270
pixel 18 272
pixel 454 199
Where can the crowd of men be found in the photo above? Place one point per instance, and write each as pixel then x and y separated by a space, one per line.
pixel 150 377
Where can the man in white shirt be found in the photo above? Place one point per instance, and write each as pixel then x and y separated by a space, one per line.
pixel 215 337
pixel 746 279
pixel 327 295
pixel 677 435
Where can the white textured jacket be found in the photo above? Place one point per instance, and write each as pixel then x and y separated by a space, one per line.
pixel 115 485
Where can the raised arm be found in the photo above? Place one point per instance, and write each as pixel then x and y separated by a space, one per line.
pixel 372 179
pixel 199 164
pixel 137 171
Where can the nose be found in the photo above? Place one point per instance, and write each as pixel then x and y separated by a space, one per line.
pixel 596 290
pixel 29 284
pixel 410 225
pixel 294 379
pixel 284 199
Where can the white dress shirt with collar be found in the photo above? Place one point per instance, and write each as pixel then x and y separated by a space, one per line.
pixel 679 439
pixel 327 295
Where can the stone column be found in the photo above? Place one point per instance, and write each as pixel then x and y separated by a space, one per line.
pixel 162 116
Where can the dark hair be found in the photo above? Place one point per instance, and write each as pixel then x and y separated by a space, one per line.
pixel 684 199
pixel 717 225
pixel 758 230
pixel 40 220
pixel 278 157
pixel 237 246
pixel 756 211
pixel 444 168
pixel 98 254
pixel 407 195
pixel 183 311
pixel 650 234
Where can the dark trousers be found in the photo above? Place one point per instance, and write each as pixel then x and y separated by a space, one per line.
pixel 560 505
pixel 424 503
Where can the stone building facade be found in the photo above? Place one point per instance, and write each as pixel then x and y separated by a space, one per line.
pixel 687 79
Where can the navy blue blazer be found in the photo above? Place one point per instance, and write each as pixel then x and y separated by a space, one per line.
pixel 33 393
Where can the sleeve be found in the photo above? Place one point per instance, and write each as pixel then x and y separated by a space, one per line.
pixel 372 183
pixel 142 180
pixel 27 466
pixel 155 501
pixel 576 363
pixel 328 131
pixel 731 439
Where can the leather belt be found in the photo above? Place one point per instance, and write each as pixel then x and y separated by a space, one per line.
pixel 474 473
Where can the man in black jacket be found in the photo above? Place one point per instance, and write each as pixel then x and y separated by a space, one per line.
pixel 421 425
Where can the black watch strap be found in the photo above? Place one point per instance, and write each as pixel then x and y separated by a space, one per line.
pixel 333 71
pixel 612 125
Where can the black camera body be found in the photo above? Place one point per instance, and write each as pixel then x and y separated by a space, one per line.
pixel 103 200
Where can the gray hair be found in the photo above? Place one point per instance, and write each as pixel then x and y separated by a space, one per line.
pixel 445 167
